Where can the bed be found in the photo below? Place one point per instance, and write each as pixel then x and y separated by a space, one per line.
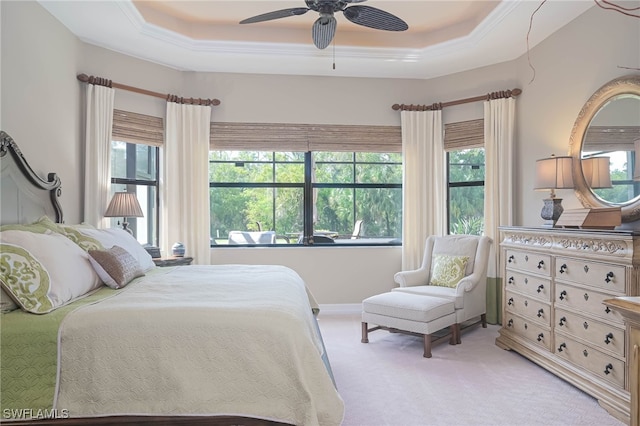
pixel 94 332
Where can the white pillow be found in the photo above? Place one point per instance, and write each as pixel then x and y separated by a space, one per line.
pixel 119 237
pixel 44 271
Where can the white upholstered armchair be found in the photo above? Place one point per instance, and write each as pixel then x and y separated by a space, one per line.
pixel 469 293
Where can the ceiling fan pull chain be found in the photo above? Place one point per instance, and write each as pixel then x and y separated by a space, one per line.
pixel 334 53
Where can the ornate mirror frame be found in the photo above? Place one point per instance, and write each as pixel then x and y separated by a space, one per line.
pixel 629 84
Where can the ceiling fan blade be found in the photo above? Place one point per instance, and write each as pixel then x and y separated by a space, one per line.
pixel 323 31
pixel 277 14
pixel 374 18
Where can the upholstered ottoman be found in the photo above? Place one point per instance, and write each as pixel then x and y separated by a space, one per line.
pixel 409 313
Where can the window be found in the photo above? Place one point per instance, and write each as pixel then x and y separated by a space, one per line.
pixel 306 197
pixel 465 184
pixel 464 143
pixel 134 168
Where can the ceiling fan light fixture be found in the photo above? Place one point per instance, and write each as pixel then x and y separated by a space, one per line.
pixel 323 31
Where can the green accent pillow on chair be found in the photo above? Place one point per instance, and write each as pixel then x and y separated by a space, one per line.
pixel 447 271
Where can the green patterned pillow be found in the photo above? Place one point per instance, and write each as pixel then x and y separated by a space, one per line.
pixel 85 242
pixel 25 277
pixel 41 226
pixel 44 224
pixel 42 272
pixel 447 271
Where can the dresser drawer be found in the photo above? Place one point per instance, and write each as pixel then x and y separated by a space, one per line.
pixel 530 262
pixel 588 302
pixel 533 332
pixel 528 307
pixel 531 285
pixel 600 335
pixel 594 274
pixel 602 365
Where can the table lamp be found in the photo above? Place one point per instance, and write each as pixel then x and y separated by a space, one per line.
pixel 553 173
pixel 124 204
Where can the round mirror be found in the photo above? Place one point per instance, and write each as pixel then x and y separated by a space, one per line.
pixel 603 148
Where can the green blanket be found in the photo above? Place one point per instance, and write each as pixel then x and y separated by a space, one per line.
pixel 29 357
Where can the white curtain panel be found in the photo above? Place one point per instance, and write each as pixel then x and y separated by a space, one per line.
pixel 184 206
pixel 97 167
pixel 499 134
pixel 424 183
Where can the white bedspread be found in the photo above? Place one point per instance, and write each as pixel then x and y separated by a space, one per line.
pixel 199 340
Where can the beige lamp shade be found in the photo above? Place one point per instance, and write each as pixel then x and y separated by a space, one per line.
pixel 596 172
pixel 554 173
pixel 124 204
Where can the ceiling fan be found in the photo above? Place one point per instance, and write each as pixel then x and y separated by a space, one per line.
pixel 324 28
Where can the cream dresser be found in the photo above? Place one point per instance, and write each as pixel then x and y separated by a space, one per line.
pixel 555 282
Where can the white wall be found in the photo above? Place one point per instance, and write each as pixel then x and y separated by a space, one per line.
pixel 38 79
pixel 570 66
pixel 40 96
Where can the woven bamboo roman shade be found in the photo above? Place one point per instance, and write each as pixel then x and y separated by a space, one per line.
pixel 137 128
pixel 304 137
pixel 464 135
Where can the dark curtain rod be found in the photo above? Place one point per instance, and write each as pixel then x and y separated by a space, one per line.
pixel 439 105
pixel 171 98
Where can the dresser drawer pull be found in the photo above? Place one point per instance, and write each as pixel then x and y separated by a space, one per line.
pixel 562 321
pixel 585 325
pixel 540 288
pixel 540 264
pixel 586 269
pixel 563 294
pixel 608 338
pixel 511 280
pixel 526 280
pixel 540 312
pixel 526 303
pixel 608 368
pixel 561 347
pixel 563 268
pixel 607 310
pixel 510 302
pixel 511 259
pixel 586 296
pixel 540 337
pixel 585 353
pixel 510 323
pixel 609 276
pixel 526 258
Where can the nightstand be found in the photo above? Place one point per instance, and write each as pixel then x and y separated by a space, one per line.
pixel 173 261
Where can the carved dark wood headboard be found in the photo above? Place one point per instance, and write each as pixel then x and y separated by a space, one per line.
pixel 25 196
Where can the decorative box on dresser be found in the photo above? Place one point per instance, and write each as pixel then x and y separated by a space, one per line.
pixel 555 283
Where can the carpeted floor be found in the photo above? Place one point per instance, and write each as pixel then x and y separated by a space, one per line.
pixel 388 382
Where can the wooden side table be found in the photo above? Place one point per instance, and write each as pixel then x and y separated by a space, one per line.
pixel 173 261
